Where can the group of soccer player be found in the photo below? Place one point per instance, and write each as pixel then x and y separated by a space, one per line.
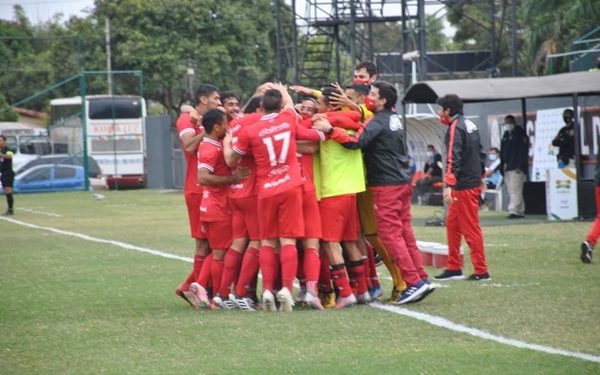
pixel 290 190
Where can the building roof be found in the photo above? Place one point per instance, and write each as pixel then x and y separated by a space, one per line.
pixel 494 89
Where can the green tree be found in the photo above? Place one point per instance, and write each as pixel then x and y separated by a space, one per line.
pixel 551 27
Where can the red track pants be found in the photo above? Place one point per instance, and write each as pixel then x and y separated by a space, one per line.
pixel 594 232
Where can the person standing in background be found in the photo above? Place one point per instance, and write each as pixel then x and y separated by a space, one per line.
pixel 565 141
pixel 514 156
pixel 7 175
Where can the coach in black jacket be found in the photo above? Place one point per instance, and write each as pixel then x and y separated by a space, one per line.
pixel 462 188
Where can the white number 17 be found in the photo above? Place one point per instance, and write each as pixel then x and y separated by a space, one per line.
pixel 285 138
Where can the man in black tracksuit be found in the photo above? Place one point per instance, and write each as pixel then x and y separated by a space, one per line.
pixel 7 175
pixel 462 188
pixel 383 141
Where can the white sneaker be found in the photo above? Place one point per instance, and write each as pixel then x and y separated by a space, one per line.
pixel 313 301
pixel 364 298
pixel 268 301
pixel 301 296
pixel 217 300
pixel 285 299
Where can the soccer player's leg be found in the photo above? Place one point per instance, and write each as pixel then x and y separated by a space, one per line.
pixel 290 228
pixel 219 239
pixel 267 256
pixel 311 263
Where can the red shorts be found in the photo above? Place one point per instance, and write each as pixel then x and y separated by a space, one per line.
pixel 339 218
pixel 280 215
pixel 218 234
pixel 192 201
pixel 312 216
pixel 244 222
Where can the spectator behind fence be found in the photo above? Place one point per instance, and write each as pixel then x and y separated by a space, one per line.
pixel 432 173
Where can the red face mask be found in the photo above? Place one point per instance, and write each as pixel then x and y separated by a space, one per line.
pixel 358 81
pixel 445 120
pixel 370 104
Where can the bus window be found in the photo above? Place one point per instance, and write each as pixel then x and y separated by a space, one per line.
pixel 121 108
pixel 35 145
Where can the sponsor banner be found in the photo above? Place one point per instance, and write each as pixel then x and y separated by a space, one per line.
pixel 561 194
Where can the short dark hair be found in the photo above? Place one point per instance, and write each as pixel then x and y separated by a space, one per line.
pixel 211 118
pixel 253 104
pixel 228 95
pixel 204 89
pixel 568 110
pixel 3 137
pixel 510 117
pixel 360 89
pixel 431 146
pixel 387 91
pixel 327 91
pixel 271 100
pixel 452 102
pixel 494 149
pixel 369 66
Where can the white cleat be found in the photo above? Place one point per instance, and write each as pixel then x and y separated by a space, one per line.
pixel 200 295
pixel 286 300
pixel 244 304
pixel 364 298
pixel 268 301
pixel 313 301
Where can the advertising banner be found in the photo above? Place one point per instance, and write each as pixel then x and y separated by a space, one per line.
pixel 561 194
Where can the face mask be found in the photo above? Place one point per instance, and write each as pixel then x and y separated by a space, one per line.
pixel 509 127
pixel 358 81
pixel 492 157
pixel 429 154
pixel 445 120
pixel 370 104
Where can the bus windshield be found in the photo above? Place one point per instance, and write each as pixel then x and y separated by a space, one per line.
pixel 109 108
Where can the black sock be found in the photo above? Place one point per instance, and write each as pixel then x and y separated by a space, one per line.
pixel 9 200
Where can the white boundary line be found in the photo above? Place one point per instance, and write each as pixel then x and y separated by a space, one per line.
pixel 38 212
pixel 431 319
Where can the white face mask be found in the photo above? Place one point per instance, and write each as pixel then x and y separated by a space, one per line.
pixel 492 157
pixel 509 127
pixel 429 154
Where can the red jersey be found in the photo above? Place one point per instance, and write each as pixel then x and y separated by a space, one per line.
pixel 214 206
pixel 271 140
pixel 247 186
pixel 306 162
pixel 185 127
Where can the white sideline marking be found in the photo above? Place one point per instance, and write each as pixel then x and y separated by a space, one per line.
pixel 101 240
pixel 445 323
pixel 38 212
pixel 431 319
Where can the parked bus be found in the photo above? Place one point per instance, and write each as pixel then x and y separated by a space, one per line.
pixel 27 141
pixel 115 134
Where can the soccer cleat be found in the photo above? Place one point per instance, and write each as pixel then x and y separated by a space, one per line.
pixel 450 275
pixel 363 298
pixel 245 304
pixel 483 277
pixel 412 293
pixel 301 296
pixel 395 294
pixel 223 303
pixel 328 300
pixel 376 292
pixel 430 289
pixel 286 300
pixel 8 212
pixel 313 301
pixel 185 294
pixel 586 252
pixel 200 296
pixel 378 260
pixel 343 302
pixel 268 301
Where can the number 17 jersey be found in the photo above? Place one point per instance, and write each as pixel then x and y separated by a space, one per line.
pixel 272 142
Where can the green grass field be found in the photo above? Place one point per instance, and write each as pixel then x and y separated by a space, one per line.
pixel 70 305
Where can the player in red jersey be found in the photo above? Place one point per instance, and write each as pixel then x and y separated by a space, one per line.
pixel 231 104
pixel 190 135
pixel 215 177
pixel 271 141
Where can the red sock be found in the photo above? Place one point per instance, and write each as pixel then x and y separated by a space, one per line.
pixel 289 266
pixel 312 266
pixel 204 275
pixel 367 270
pixel 185 285
pixel 198 260
pixel 356 271
pixel 373 278
pixel 247 272
pixel 231 270
pixel 340 280
pixel 216 271
pixel 325 276
pixel 268 266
